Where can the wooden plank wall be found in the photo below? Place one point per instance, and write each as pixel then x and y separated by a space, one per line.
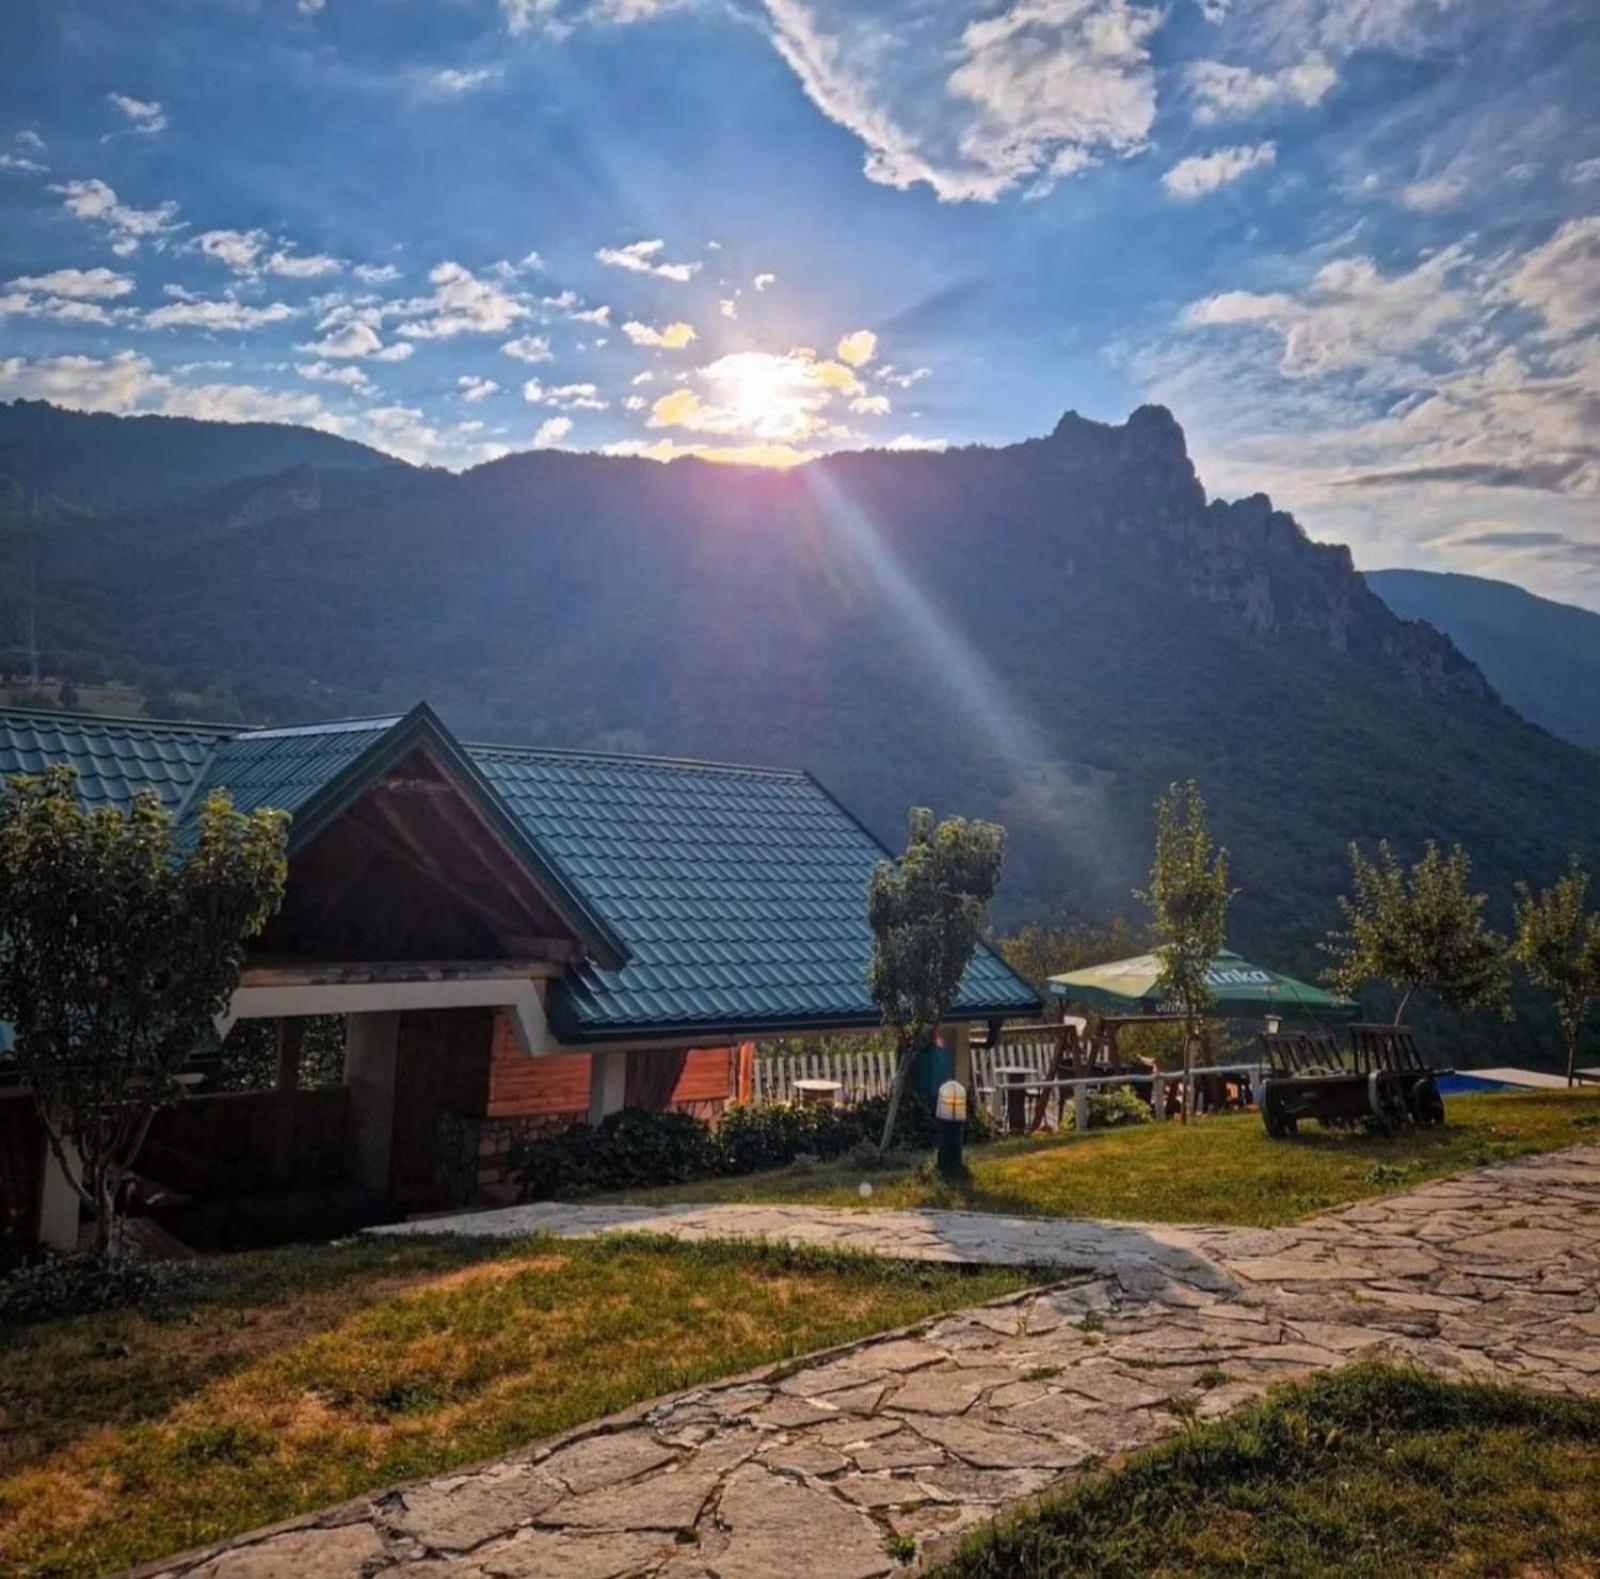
pixel 523 1087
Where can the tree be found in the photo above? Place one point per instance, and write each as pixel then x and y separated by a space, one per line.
pixel 117 950
pixel 1188 899
pixel 927 910
pixel 1557 942
pixel 1418 930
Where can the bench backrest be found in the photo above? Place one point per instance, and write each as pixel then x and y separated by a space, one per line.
pixel 1386 1047
pixel 1292 1053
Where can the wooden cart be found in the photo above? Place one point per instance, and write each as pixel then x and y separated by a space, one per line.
pixel 1382 1077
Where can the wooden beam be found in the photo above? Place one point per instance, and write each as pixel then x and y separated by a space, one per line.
pixel 325 973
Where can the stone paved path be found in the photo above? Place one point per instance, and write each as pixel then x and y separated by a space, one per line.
pixel 1494 1274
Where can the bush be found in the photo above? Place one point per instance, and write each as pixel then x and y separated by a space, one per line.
pixel 78 1284
pixel 637 1149
pixel 1112 1107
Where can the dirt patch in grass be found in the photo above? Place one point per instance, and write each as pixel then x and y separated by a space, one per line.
pixel 126 1438
pixel 1364 1475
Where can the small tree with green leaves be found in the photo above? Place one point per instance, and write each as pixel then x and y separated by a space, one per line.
pixel 1418 930
pixel 1557 941
pixel 1188 899
pixel 927 910
pixel 117 951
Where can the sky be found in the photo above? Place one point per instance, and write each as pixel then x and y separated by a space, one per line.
pixel 1353 244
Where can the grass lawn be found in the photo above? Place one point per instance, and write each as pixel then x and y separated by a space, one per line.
pixel 1215 1170
pixel 1372 1472
pixel 305 1376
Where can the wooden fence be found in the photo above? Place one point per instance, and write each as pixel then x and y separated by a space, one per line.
pixel 868 1071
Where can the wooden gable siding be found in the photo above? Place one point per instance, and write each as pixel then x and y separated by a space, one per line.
pixel 523 1087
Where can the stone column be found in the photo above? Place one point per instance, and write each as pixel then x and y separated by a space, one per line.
pixel 608 1083
pixel 371 1067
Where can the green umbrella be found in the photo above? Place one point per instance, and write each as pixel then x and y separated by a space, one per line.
pixel 1243 991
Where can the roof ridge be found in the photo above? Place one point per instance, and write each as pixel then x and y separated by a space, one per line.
pixel 643 758
pixel 63 715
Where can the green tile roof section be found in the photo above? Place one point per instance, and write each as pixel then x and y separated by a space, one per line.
pixel 115 758
pixel 740 893
pixel 284 768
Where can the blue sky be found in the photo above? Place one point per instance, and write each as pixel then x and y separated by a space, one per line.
pixel 1355 244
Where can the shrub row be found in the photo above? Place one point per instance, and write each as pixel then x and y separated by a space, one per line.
pixel 637 1149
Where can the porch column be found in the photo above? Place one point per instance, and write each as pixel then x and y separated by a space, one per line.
pixel 608 1083
pixel 371 1067
pixel 58 1204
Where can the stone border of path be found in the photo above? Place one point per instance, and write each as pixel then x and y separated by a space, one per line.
pixel 919 1436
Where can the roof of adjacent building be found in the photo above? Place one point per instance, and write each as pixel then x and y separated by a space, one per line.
pixel 730 900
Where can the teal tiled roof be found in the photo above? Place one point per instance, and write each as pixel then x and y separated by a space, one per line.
pixel 739 892
pixel 722 900
pixel 284 768
pixel 115 758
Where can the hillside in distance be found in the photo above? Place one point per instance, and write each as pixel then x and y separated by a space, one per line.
pixel 1045 633
pixel 1543 657
pixel 102 462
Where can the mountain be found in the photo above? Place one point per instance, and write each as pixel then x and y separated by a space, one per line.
pixel 103 462
pixel 1046 633
pixel 1543 657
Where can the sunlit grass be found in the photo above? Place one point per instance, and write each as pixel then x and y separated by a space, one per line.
pixel 1222 1169
pixel 309 1375
pixel 1369 1474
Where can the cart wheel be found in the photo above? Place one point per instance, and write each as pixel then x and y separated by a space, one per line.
pixel 1387 1101
pixel 1275 1114
pixel 1427 1106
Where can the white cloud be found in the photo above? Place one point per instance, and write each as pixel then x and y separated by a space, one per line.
pixel 646 377
pixel 376 273
pixel 455 83
pixel 224 315
pixel 669 337
pixel 903 379
pixel 144 116
pixel 975 108
pixel 764 282
pixel 1561 279
pixel 858 348
pixel 20 164
pixel 30 140
pixel 475 389
pixel 529 348
pixel 461 303
pixel 126 226
pixel 1584 171
pixel 18 304
pixel 1228 92
pixel 355 340
pixel 871 405
pixel 594 315
pixel 1202 173
pixel 566 397
pixel 551 432
pixel 728 307
pixel 1432 195
pixel 346 375
pixel 635 403
pixel 80 284
pixel 915 441
pixel 291 265
pixel 640 257
pixel 407 432
pixel 246 253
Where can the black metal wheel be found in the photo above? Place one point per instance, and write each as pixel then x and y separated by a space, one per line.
pixel 1387 1101
pixel 1427 1105
pixel 1280 1122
